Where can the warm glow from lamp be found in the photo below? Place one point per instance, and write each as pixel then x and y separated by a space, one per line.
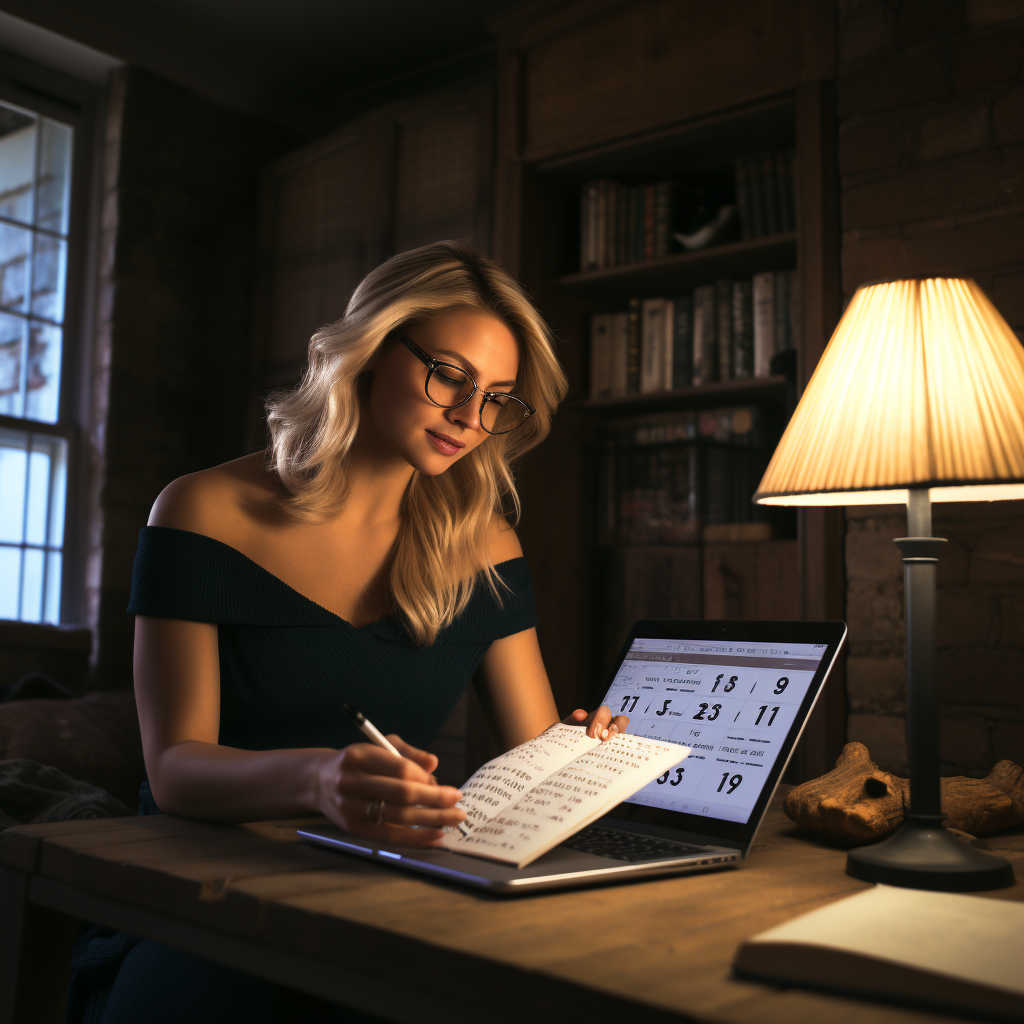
pixel 921 386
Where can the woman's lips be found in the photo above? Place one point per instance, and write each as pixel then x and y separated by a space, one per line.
pixel 444 444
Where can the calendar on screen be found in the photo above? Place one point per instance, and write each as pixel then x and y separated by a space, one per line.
pixel 731 703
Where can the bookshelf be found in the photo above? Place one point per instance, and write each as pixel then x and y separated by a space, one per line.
pixel 590 586
pixel 682 270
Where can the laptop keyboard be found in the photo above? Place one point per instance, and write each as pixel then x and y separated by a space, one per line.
pixel 628 846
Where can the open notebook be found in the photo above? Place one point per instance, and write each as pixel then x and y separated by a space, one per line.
pixel 527 801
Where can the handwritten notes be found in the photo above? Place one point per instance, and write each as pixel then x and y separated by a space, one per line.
pixel 525 802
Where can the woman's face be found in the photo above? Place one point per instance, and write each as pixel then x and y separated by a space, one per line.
pixel 430 438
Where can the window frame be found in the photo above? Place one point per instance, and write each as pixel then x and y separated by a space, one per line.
pixel 54 95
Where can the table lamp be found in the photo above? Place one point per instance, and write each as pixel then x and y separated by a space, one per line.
pixel 918 397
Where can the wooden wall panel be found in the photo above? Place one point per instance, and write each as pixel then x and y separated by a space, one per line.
pixel 752 581
pixel 646 63
pixel 444 171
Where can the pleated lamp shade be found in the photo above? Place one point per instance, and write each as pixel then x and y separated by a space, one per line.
pixel 922 385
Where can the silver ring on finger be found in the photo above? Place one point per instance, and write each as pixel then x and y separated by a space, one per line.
pixel 375 811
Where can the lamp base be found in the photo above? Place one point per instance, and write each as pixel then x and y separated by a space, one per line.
pixel 922 854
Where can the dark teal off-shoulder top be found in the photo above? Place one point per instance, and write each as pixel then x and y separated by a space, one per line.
pixel 286 663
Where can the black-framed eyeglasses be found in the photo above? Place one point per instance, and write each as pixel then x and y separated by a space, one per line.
pixel 449 387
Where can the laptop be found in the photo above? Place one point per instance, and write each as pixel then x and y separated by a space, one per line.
pixel 737 693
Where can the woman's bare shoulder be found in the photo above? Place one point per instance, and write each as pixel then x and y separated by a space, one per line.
pixel 502 542
pixel 217 502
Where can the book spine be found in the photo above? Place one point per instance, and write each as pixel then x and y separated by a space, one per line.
pixel 619 345
pixel 764 323
pixel 769 193
pixel 636 224
pixel 796 310
pixel 621 224
pixel 650 201
pixel 662 218
pixel 611 221
pixel 781 279
pixel 705 357
pixel 742 330
pixel 600 355
pixel 652 332
pixel 667 349
pixel 591 190
pixel 602 225
pixel 633 349
pixel 742 197
pixel 682 342
pixel 723 327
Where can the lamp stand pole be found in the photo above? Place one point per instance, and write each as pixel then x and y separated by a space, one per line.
pixel 922 853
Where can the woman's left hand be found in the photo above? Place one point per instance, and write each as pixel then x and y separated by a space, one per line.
pixel 599 724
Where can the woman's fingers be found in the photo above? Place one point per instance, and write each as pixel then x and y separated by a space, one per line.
pixel 603 726
pixel 426 760
pixel 397 791
pixel 372 760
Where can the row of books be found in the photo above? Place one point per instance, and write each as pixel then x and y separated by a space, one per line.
pixel 622 223
pixel 729 330
pixel 682 477
pixel 765 194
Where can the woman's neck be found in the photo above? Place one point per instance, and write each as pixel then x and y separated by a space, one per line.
pixel 376 485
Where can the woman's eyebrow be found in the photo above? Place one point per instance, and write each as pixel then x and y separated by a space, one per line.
pixel 472 369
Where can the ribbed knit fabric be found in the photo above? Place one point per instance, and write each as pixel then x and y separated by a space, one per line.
pixel 286 663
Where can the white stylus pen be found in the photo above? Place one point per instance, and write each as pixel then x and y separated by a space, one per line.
pixel 374 735
pixel 369 730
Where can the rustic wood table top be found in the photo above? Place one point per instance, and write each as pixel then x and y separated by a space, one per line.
pixel 412 949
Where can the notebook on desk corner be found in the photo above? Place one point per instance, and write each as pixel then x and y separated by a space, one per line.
pixel 737 694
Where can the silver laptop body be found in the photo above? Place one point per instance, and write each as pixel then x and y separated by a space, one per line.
pixel 737 693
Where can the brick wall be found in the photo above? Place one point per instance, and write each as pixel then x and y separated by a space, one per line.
pixel 180 198
pixel 931 158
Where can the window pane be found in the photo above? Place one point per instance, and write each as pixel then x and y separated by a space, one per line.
pixel 17 163
pixel 38 497
pixel 12 331
pixel 10 577
pixel 32 585
pixel 15 250
pixel 48 270
pixel 43 387
pixel 54 177
pixel 54 563
pixel 13 464
pixel 58 489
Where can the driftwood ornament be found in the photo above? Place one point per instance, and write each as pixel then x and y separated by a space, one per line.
pixel 857 801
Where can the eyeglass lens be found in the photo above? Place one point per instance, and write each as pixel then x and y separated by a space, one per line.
pixel 448 386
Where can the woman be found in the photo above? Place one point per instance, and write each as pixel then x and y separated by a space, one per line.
pixel 364 559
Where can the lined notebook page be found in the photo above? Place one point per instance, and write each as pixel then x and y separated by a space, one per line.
pixel 569 798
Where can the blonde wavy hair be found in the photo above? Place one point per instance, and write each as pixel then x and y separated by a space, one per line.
pixel 441 548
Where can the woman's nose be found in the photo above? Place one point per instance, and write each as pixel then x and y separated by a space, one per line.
pixel 467 415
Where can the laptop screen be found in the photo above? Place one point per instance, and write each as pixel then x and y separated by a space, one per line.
pixel 732 702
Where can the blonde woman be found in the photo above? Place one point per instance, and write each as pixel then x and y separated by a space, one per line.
pixel 365 558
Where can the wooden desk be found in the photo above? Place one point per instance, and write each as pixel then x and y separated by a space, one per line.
pixel 414 950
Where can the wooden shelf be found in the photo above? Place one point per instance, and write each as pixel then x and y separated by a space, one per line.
pixel 759 389
pixel 672 274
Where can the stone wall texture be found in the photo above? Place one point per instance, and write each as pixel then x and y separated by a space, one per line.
pixel 931 160
pixel 180 196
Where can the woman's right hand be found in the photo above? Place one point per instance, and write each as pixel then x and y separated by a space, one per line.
pixel 351 781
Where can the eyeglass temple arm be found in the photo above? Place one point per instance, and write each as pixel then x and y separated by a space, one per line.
pixel 414 348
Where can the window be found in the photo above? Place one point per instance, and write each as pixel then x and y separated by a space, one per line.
pixel 35 200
